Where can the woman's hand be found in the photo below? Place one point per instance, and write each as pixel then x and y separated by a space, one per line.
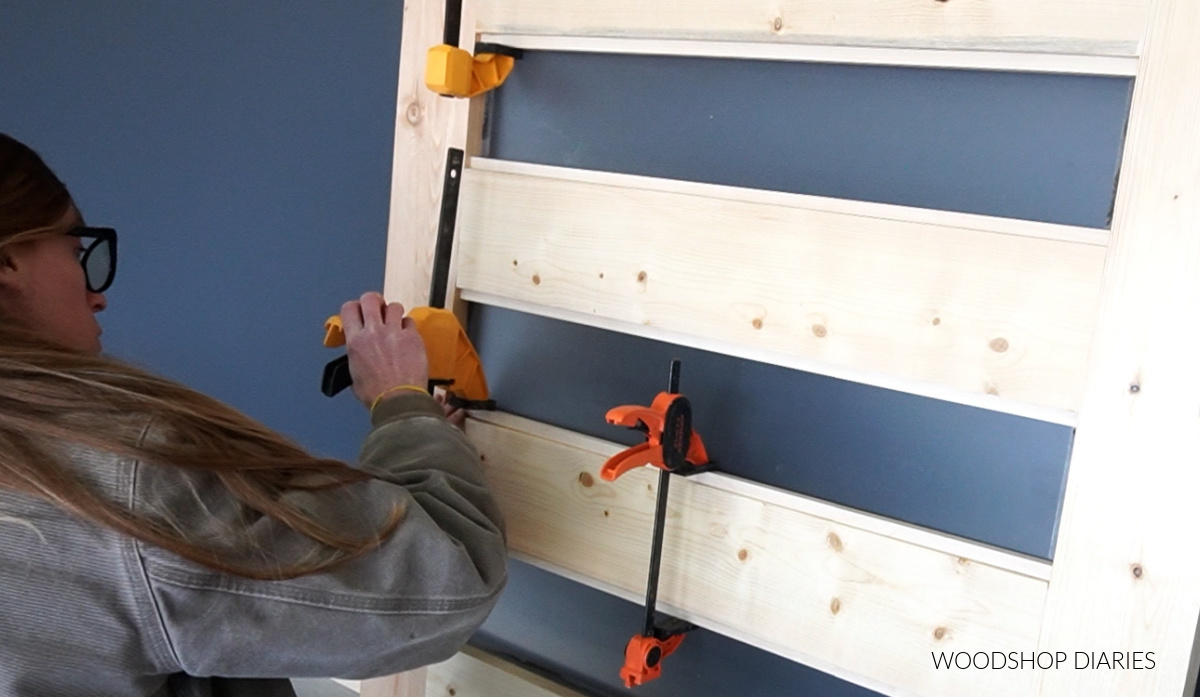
pixel 455 415
pixel 383 346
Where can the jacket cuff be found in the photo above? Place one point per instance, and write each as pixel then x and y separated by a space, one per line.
pixel 402 405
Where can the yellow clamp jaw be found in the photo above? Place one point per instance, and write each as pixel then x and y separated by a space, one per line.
pixel 452 358
pixel 454 72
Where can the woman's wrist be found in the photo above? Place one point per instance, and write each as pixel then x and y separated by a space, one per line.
pixel 393 390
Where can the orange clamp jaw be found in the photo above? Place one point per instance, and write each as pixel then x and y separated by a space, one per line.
pixel 671 444
pixel 643 658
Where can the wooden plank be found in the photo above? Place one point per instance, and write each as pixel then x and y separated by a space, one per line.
pixel 426 125
pixel 1091 27
pixel 1012 61
pixel 1002 318
pixel 476 673
pixel 410 684
pixel 846 598
pixel 1126 574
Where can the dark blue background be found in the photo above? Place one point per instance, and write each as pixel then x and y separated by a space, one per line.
pixel 243 152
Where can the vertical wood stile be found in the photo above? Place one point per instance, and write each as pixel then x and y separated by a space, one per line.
pixel 1126 573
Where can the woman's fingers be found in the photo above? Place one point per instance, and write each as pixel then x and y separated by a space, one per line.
pixel 352 320
pixel 370 310
pixel 384 349
pixel 372 305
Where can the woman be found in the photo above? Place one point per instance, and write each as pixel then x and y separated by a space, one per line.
pixel 156 542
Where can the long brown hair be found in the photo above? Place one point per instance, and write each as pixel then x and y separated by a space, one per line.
pixel 51 395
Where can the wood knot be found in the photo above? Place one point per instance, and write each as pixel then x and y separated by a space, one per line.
pixel 601 274
pixel 991 389
pixel 451 691
pixel 514 262
pixel 413 113
pixel 835 606
pixel 1136 570
pixel 537 280
pixel 586 479
pixel 758 323
pixel 999 345
pixel 778 24
pixel 606 513
pixel 940 633
pixel 963 561
pixel 834 541
pixel 641 277
pixel 819 330
pixel 937 321
pixel 1135 388
pixel 743 555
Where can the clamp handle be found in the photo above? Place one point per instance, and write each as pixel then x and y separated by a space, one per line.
pixel 631 458
pixel 670 445
pixel 644 655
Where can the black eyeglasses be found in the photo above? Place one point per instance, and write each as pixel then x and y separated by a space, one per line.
pixel 98 257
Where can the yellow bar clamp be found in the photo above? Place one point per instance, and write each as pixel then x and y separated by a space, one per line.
pixel 451 354
pixel 454 72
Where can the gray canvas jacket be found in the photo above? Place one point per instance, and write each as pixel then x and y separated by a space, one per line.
pixel 87 611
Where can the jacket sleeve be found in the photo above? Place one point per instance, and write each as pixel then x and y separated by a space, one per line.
pixel 410 602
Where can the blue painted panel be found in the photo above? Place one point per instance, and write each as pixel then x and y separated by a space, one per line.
pixel 1039 147
pixel 991 477
pixel 1019 145
pixel 577 636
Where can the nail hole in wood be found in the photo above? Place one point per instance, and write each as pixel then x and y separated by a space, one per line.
pixel 413 113
pixel 514 262
pixel 1135 388
pixel 1136 570
pixel 606 514
pixel 778 24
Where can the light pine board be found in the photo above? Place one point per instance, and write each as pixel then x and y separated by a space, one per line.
pixel 1004 311
pixel 1096 27
pixel 766 567
pixel 476 673
pixel 1126 575
pixel 410 684
pixel 1019 61
pixel 426 126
